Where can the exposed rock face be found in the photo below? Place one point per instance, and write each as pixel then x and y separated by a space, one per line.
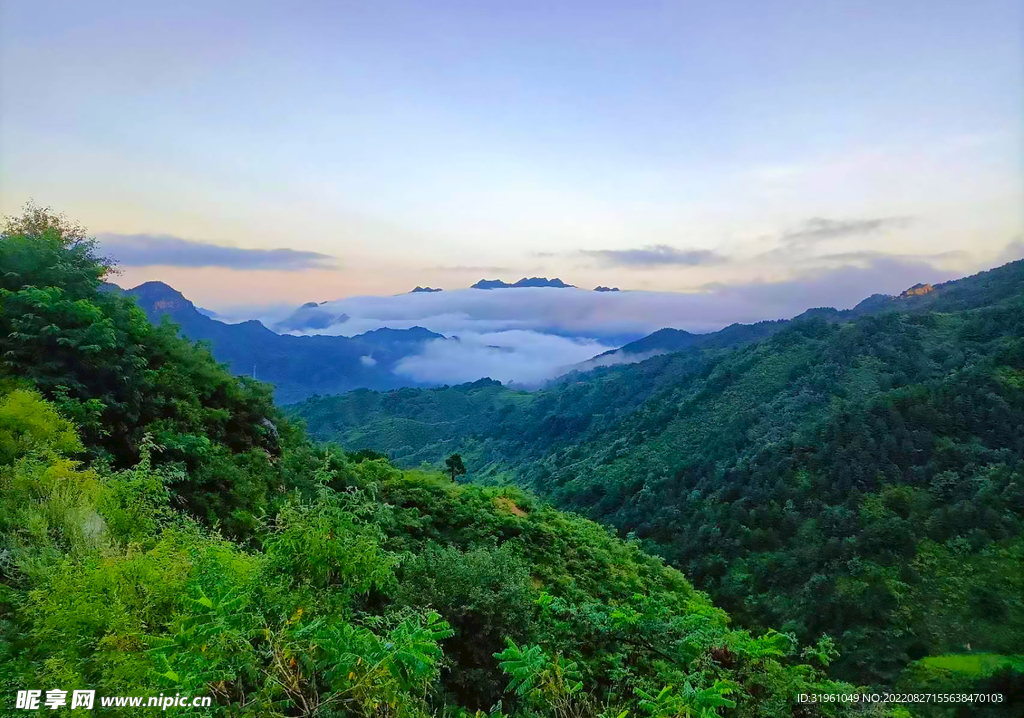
pixel 918 290
pixel 270 426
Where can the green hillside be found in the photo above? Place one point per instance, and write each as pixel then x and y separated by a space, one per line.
pixel 861 477
pixel 163 529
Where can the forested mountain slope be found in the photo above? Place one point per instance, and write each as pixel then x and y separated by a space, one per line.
pixel 163 529
pixel 980 289
pixel 862 478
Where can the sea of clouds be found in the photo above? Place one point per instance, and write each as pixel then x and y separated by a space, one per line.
pixel 527 336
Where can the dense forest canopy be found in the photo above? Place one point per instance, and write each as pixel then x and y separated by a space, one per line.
pixel 163 528
pixel 859 474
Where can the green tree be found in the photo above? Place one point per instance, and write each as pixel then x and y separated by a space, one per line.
pixel 455 465
pixel 96 356
pixel 44 249
pixel 485 595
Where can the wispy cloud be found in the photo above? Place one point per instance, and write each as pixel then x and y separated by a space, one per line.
pixel 655 255
pixel 1013 251
pixel 956 255
pixel 472 269
pixel 144 250
pixel 616 358
pixel 818 229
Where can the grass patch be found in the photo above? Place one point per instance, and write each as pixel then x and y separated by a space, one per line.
pixel 974 665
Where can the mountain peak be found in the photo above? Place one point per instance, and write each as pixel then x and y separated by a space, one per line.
pixel 159 298
pixel 156 288
pixel 490 284
pixel 524 282
pixel 389 335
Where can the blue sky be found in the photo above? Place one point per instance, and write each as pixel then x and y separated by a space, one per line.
pixel 440 142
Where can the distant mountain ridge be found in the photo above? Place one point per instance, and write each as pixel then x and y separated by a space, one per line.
pixel 297 366
pixel 947 296
pixel 524 282
pixel 300 366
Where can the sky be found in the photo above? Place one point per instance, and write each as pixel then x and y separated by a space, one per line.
pixel 256 153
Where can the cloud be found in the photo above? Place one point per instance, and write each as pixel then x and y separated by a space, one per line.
pixel 1012 251
pixel 840 287
pixel 367 360
pixel 615 359
pixel 956 255
pixel 798 239
pixel 618 317
pixel 530 335
pixel 656 255
pixel 472 269
pixel 143 250
pixel 520 357
pixel 818 229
